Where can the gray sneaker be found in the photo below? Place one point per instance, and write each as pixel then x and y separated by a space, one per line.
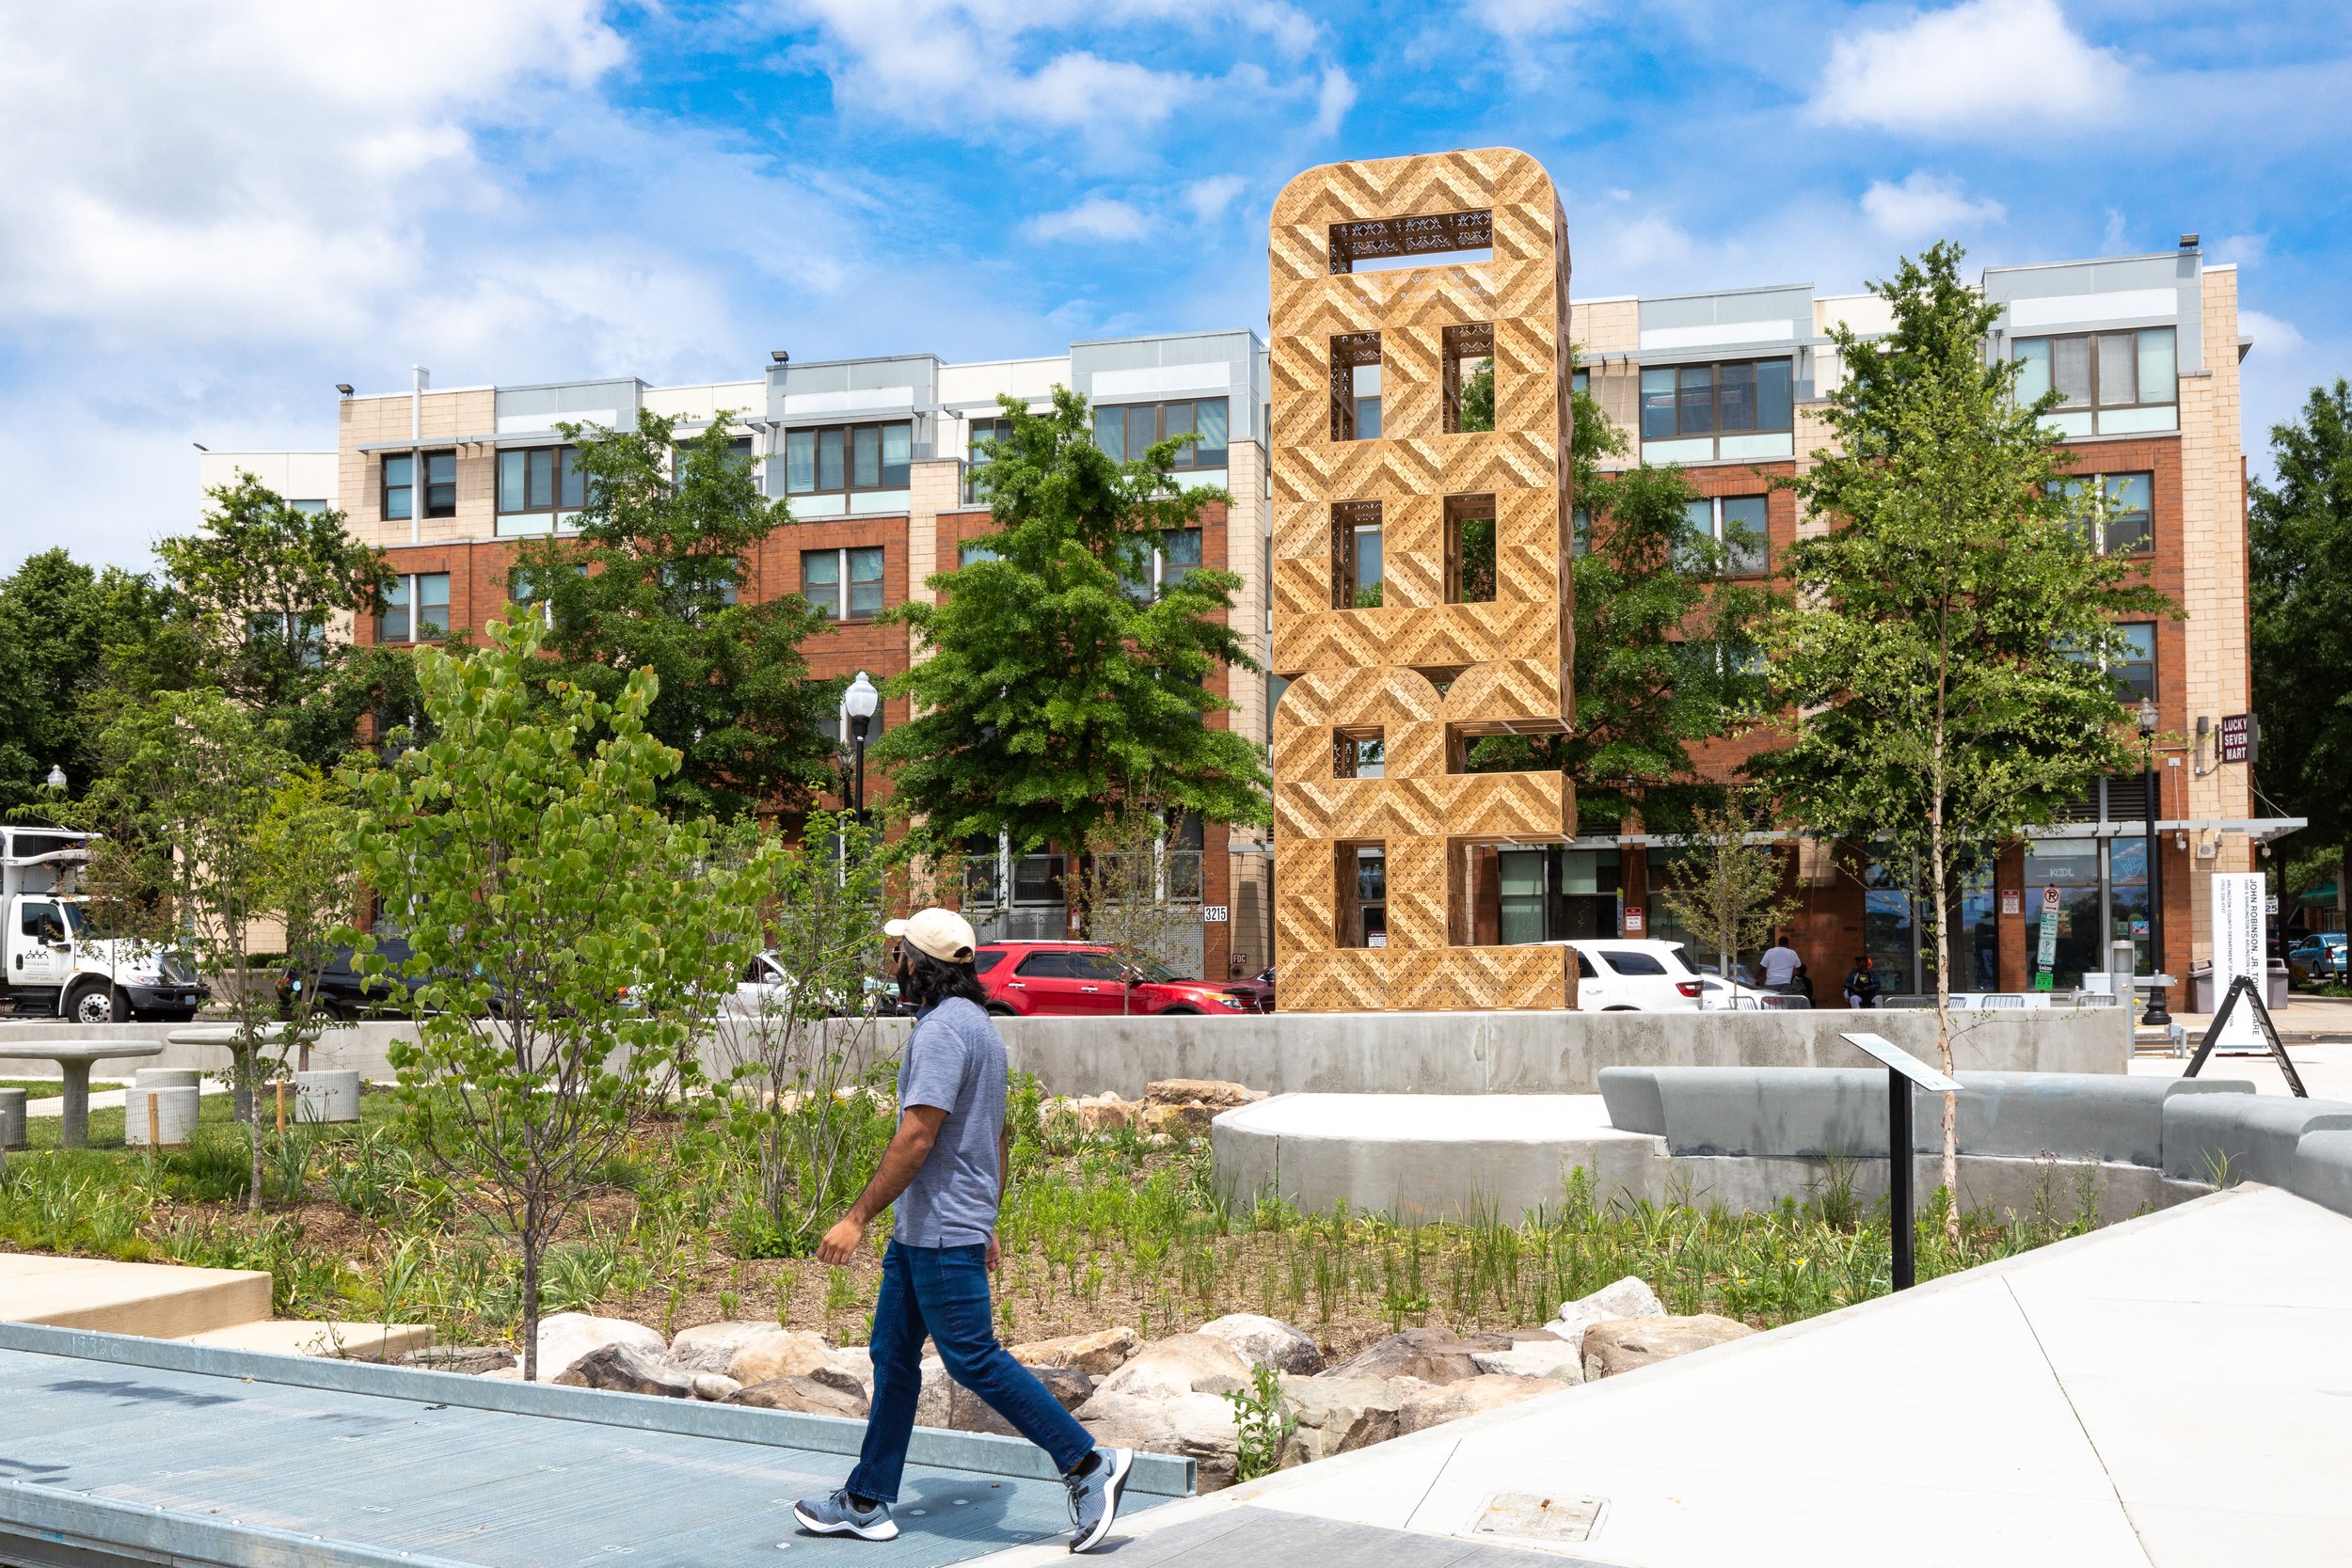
pixel 837 1515
pixel 1094 1497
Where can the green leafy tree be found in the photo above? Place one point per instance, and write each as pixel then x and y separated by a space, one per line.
pixel 1124 895
pixel 188 783
pixel 2302 623
pixel 309 880
pixel 1725 887
pixel 1664 641
pixel 650 582
pixel 1053 690
pixel 58 620
pixel 1941 661
pixel 563 931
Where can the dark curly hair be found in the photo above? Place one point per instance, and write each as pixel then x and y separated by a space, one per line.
pixel 926 981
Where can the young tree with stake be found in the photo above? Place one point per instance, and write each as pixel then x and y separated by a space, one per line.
pixel 1726 888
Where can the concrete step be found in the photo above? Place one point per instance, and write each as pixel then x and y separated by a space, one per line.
pixel 161 1301
pixel 299 1336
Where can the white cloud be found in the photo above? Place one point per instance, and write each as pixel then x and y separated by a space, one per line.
pixel 2245 250
pixel 1983 68
pixel 2271 335
pixel 1210 197
pixel 1522 18
pixel 1927 206
pixel 1333 99
pixel 1100 219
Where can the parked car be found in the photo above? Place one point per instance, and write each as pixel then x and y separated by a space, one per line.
pixel 2318 960
pixel 1259 989
pixel 1634 974
pixel 345 993
pixel 763 986
pixel 1082 978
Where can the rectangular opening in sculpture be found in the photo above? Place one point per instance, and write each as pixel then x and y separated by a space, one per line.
pixel 1362 904
pixel 1469 550
pixel 1430 240
pixel 1358 753
pixel 1356 386
pixel 1466 376
pixel 1355 580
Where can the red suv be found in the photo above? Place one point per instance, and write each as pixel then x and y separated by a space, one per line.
pixel 1082 978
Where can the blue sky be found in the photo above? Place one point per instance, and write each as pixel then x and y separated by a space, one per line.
pixel 210 215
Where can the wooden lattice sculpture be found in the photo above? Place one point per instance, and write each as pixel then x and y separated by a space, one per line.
pixel 1421 571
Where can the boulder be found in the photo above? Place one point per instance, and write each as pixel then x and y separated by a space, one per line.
pixel 624 1369
pixel 1432 1355
pixel 711 1347
pixel 1629 1297
pixel 1177 1123
pixel 1097 1355
pixel 1625 1344
pixel 1428 1407
pixel 809 1395
pixel 1212 1092
pixel 715 1386
pixel 856 1363
pixel 566 1336
pixel 1099 1113
pixel 1550 1357
pixel 968 1411
pixel 1266 1342
pixel 1340 1415
pixel 1178 1365
pixel 471 1359
pixel 778 1352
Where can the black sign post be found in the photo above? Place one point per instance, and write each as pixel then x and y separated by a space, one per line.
pixel 1903 1069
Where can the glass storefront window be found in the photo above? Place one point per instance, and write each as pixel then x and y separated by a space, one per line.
pixel 1889 934
pixel 2072 866
pixel 2128 899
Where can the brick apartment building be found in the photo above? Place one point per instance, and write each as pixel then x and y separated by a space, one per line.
pixel 877 458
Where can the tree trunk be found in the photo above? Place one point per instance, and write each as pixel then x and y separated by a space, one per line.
pixel 1944 1004
pixel 533 1245
pixel 250 1072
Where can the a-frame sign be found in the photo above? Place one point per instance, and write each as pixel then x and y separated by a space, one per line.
pixel 2243 986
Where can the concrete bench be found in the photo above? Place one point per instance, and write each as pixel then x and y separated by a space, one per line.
pixel 2259 1137
pixel 2323 1168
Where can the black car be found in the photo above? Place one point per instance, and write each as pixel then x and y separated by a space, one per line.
pixel 347 993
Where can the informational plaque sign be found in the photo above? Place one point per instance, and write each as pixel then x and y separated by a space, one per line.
pixel 2240 946
pixel 2013 901
pixel 2237 737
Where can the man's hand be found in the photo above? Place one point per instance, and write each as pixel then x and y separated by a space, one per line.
pixel 995 1253
pixel 841 1242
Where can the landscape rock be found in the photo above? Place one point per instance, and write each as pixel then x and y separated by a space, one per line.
pixel 1340 1415
pixel 1212 1092
pixel 968 1411
pixel 625 1368
pixel 567 1336
pixel 807 1395
pixel 856 1363
pixel 715 1386
pixel 1266 1342
pixel 1099 1113
pixel 510 1374
pixel 1435 1355
pixel 1178 1365
pixel 711 1347
pixel 1177 1123
pixel 1550 1357
pixel 471 1359
pixel 1623 1344
pixel 1630 1297
pixel 778 1352
pixel 1097 1355
pixel 1475 1396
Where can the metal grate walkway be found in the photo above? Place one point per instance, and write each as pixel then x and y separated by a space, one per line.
pixel 116 1449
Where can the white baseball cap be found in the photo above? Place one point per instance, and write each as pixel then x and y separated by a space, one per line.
pixel 942 933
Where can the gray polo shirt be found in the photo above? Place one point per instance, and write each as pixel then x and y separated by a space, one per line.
pixel 955 1061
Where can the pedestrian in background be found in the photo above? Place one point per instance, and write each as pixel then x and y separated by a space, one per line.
pixel 1862 984
pixel 1781 963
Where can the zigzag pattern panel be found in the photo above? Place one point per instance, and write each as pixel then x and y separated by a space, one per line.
pixel 1360 847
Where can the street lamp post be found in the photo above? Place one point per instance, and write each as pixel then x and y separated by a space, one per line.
pixel 857 706
pixel 2155 1016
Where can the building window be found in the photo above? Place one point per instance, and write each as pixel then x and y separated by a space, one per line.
pixel 1358 753
pixel 1738 524
pixel 541 489
pixel 1469 550
pixel 1175 557
pixel 309 508
pixel 982 451
pixel 2122 515
pixel 1707 399
pixel 400 485
pixel 1579 533
pixel 416 609
pixel 973 550
pixel 1467 375
pixel 1356 386
pixel 1125 432
pixel 1037 881
pixel 1363 895
pixel 1580 382
pixel 306 633
pixel 845 459
pixel 844 585
pixel 2135 671
pixel 833 724
pixel 1356 582
pixel 2108 383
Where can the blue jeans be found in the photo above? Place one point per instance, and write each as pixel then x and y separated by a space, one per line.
pixel 943 1291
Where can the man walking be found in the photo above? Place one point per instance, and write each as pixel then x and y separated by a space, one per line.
pixel 945 1169
pixel 1781 963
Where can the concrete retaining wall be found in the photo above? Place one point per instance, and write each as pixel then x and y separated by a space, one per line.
pixel 1501 1052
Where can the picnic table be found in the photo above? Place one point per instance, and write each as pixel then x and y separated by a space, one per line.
pixel 75 1059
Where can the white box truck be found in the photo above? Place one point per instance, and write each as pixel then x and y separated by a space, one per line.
pixel 55 966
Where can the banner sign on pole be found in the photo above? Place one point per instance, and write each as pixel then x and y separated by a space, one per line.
pixel 2047 957
pixel 2239 948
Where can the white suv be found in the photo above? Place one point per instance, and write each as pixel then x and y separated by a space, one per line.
pixel 1632 975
